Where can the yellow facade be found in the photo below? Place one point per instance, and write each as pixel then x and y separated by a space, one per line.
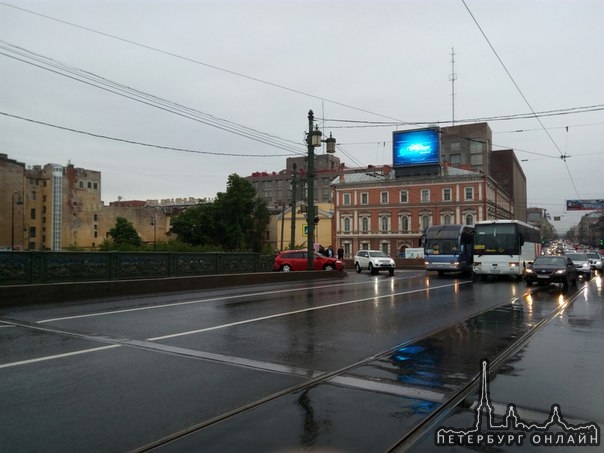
pixel 280 228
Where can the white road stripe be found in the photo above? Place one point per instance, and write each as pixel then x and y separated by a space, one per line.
pixel 191 302
pixel 58 356
pixel 295 312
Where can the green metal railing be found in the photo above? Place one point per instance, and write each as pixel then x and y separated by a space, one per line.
pixel 61 267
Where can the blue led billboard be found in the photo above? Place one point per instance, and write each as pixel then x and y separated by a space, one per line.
pixel 417 147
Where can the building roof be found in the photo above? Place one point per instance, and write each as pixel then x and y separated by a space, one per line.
pixel 380 176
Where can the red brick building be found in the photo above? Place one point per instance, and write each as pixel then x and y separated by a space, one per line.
pixel 376 210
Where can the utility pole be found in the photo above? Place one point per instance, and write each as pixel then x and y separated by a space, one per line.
pixel 293 222
pixel 452 79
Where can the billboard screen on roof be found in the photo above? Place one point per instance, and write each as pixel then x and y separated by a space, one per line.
pixel 416 147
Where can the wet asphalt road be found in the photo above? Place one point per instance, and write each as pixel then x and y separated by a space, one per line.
pixel 230 370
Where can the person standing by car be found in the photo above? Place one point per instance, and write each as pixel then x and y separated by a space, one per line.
pixel 340 253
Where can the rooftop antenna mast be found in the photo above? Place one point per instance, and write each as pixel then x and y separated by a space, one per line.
pixel 452 79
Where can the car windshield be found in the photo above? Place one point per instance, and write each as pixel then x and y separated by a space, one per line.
pixel 593 256
pixel 549 261
pixel 378 254
pixel 577 256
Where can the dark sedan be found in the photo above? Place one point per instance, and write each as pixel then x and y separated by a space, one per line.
pixel 551 269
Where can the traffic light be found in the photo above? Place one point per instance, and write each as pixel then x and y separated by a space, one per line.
pixel 316 219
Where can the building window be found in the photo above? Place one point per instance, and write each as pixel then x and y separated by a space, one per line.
pixel 405 223
pixel 364 198
pixel 365 225
pixel 469 193
pixel 476 159
pixel 89 185
pixel 32 214
pixel 447 194
pixel 469 219
pixel 32 232
pixel 425 195
pixel 425 222
pixel 404 196
pixel 346 224
pixel 385 224
pixel 385 246
pixel 81 184
pixel 346 199
pixel 384 197
pixel 476 147
pixel 447 219
pixel 455 159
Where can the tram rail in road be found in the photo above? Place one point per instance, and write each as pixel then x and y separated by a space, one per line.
pixel 265 369
pixel 517 331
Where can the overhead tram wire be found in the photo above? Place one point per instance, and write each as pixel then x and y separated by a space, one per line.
pixel 134 142
pixel 99 82
pixel 563 156
pixel 191 60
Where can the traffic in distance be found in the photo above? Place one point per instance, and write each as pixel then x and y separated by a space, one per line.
pixel 488 249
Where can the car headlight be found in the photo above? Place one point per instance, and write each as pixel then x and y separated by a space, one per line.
pixel 530 271
pixel 561 272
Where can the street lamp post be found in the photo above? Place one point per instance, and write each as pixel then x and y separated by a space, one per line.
pixel 12 231
pixel 313 139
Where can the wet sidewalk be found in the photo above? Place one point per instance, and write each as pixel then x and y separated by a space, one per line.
pixel 554 384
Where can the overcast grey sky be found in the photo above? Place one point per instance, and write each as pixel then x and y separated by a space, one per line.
pixel 221 87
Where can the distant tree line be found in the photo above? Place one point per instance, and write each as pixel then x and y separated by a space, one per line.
pixel 235 221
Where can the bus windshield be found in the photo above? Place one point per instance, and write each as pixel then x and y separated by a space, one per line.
pixel 441 246
pixel 496 240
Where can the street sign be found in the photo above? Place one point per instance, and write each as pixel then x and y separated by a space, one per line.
pixel 305 230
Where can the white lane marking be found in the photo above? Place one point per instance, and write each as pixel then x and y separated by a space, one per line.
pixel 58 356
pixel 392 389
pixel 295 312
pixel 197 301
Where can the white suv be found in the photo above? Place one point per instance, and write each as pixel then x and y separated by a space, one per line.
pixel 374 261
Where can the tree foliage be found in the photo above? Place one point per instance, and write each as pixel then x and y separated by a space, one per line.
pixel 234 221
pixel 123 236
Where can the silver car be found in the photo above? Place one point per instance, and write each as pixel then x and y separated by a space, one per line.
pixel 595 260
pixel 581 262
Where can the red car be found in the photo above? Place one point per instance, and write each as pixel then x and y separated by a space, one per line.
pixel 297 260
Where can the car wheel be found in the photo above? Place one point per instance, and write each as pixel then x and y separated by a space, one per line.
pixel 566 283
pixel 357 267
pixel 286 268
pixel 529 283
pixel 574 282
pixel 371 269
pixel 391 271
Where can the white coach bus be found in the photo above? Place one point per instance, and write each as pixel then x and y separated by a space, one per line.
pixel 504 247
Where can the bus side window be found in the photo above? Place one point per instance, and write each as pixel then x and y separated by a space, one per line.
pixel 521 239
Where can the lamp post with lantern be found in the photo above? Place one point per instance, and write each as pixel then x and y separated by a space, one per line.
pixel 313 140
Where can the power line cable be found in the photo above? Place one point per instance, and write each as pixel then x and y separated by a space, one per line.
pixel 563 156
pixel 191 60
pixel 133 142
pixel 92 79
